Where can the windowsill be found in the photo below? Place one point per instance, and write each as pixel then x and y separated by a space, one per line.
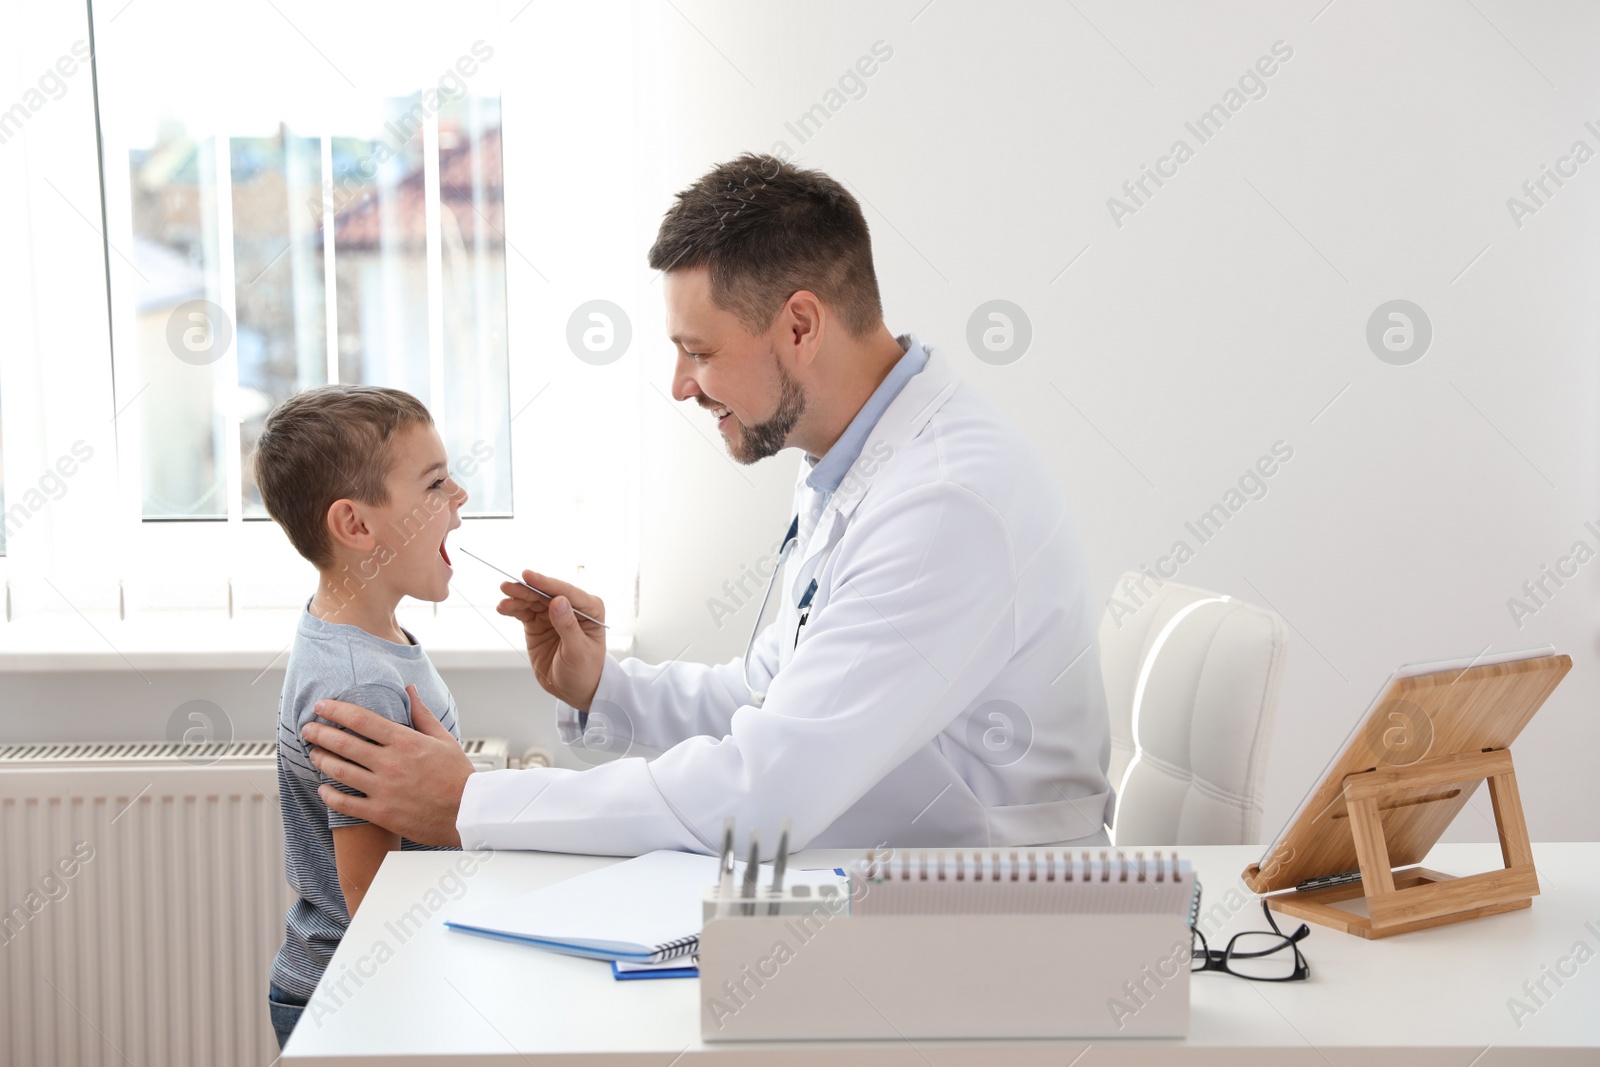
pixel 256 641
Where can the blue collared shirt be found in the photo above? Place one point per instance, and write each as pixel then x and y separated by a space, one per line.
pixel 828 472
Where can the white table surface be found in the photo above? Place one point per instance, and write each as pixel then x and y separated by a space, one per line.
pixel 1436 996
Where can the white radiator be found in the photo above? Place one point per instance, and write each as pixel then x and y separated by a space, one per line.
pixel 141 902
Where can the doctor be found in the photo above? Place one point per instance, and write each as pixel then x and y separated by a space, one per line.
pixel 931 676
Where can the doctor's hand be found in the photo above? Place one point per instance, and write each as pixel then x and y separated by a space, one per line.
pixel 567 652
pixel 413 778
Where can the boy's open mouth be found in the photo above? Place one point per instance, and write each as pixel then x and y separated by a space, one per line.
pixel 443 553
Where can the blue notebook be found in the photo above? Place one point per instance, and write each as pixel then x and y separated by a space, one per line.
pixel 642 910
pixel 629 972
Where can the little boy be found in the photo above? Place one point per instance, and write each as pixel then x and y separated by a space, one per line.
pixel 358 478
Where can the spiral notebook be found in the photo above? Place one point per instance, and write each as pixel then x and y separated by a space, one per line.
pixel 644 910
pixel 1022 881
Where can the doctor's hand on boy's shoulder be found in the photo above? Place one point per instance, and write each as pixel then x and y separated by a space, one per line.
pixel 567 652
pixel 413 778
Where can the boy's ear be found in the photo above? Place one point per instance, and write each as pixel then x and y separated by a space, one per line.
pixel 347 525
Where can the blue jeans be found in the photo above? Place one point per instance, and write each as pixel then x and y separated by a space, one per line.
pixel 286 1009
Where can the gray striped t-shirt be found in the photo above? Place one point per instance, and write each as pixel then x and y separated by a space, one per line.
pixel 341 662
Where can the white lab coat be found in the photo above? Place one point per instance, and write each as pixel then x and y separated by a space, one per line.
pixel 945 689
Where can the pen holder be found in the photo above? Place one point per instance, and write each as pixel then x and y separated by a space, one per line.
pixel 791 900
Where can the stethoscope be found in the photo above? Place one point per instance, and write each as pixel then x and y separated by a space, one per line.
pixel 790 539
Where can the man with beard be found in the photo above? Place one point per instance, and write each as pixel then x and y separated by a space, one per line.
pixel 930 677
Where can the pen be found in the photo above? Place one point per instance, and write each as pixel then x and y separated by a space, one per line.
pixel 752 871
pixel 525 585
pixel 725 865
pixel 778 864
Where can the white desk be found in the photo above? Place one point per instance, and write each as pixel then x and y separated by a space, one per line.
pixel 435 996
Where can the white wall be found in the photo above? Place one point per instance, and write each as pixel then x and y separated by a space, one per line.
pixel 1225 314
pixel 1220 318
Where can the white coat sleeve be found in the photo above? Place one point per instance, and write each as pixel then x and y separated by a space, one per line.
pixel 919 619
pixel 659 704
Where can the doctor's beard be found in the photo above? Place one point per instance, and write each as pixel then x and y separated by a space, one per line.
pixel 769 438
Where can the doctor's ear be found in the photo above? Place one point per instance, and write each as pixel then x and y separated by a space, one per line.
pixel 802 321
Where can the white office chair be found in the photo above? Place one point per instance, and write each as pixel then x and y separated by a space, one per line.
pixel 1191 683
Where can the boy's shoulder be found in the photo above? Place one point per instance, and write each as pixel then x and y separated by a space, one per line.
pixel 329 661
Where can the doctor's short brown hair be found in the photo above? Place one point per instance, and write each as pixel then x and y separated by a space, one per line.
pixel 325 444
pixel 766 229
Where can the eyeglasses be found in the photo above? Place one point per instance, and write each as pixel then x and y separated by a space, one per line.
pixel 1257 955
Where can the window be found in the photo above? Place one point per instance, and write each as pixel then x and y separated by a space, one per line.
pixel 293 245
pixel 286 195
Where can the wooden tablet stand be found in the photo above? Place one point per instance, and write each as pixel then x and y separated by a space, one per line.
pixel 1412 763
pixel 1416 898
